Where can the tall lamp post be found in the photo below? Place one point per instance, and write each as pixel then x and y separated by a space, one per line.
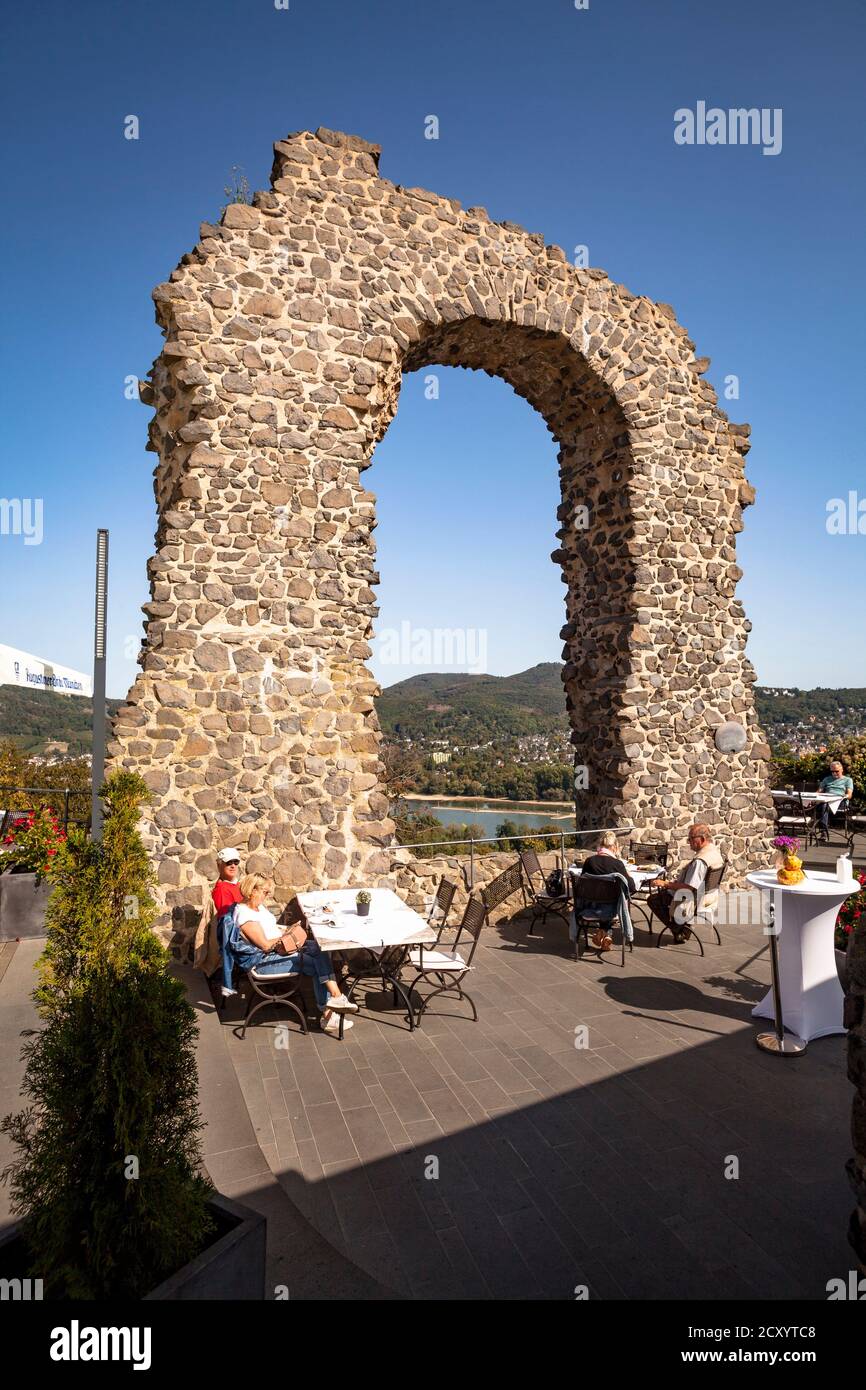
pixel 97 774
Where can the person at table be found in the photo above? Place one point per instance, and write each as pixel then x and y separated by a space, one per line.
pixel 834 784
pixel 607 860
pixel 254 939
pixel 671 898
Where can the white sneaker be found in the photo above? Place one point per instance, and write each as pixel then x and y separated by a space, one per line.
pixel 342 1004
pixel 333 1025
pixel 228 993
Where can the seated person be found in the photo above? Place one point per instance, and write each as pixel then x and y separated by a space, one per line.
pixel 837 784
pixel 226 891
pixel 255 939
pixel 606 860
pixel 670 899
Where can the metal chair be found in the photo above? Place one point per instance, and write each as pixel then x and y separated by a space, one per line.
pixel 272 989
pixel 641 852
pixel 503 886
pixel 647 852
pixel 792 817
pixel 838 820
pixel 596 903
pixel 437 917
pixel 699 912
pixel 535 894
pixel 449 968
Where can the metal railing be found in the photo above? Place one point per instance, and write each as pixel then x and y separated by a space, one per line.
pixel 560 835
pixel 49 796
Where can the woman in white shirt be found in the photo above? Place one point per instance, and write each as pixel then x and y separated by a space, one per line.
pixel 261 942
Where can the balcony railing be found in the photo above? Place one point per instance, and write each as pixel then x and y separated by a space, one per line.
pixel 560 835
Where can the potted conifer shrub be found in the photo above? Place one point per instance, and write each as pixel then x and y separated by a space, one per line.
pixel 107 1177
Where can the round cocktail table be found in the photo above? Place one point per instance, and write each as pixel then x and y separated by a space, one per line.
pixel 805 918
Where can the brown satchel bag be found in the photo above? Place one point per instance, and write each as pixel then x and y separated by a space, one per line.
pixel 294 939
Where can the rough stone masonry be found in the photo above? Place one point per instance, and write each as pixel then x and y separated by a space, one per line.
pixel 288 328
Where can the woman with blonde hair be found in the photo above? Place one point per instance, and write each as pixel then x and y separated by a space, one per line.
pixel 605 861
pixel 254 938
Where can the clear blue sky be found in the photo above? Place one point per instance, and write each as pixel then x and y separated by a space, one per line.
pixel 559 119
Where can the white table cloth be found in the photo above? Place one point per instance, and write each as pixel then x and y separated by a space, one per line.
pixel 807 799
pixel 332 916
pixel 805 919
pixel 640 877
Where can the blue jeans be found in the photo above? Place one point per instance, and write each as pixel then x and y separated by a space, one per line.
pixel 311 960
pixel 824 812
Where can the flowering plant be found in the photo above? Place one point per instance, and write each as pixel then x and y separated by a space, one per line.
pixel 852 911
pixel 786 844
pixel 32 845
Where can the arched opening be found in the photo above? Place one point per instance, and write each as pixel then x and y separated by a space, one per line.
pixel 594 527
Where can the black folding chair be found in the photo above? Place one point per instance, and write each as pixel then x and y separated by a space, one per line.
pixel 449 967
pixel 596 905
pixel 536 896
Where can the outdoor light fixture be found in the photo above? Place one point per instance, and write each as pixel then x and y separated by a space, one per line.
pixel 97 772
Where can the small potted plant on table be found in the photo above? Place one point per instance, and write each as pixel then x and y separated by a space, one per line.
pixel 362 903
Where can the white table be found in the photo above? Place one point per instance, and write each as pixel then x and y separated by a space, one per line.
pixel 807 799
pixel 332 916
pixel 387 932
pixel 640 877
pixel 805 919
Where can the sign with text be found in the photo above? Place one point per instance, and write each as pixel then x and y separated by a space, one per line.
pixel 34 673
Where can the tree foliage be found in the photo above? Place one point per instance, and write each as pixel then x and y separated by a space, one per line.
pixel 107 1174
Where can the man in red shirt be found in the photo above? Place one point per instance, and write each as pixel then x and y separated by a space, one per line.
pixel 226 891
pixel 225 894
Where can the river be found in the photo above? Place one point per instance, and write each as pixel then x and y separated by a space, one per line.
pixel 490 814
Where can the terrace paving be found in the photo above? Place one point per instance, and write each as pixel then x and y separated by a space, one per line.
pixel 557 1166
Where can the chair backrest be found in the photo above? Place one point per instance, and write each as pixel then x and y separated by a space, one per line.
pixel 531 865
pixel 594 888
pixel 643 852
pixel 442 902
pixel 501 887
pixel 714 877
pixel 474 917
pixel 788 808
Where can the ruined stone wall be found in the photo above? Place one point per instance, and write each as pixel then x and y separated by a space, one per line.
pixel 288 328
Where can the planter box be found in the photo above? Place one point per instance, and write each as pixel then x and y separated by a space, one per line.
pixel 231 1267
pixel 22 906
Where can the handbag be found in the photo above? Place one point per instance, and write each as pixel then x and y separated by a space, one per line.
pixel 297 936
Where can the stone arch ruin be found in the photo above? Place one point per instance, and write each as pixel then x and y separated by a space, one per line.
pixel 288 328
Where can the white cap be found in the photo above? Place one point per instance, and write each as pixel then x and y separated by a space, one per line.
pixel 226 854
